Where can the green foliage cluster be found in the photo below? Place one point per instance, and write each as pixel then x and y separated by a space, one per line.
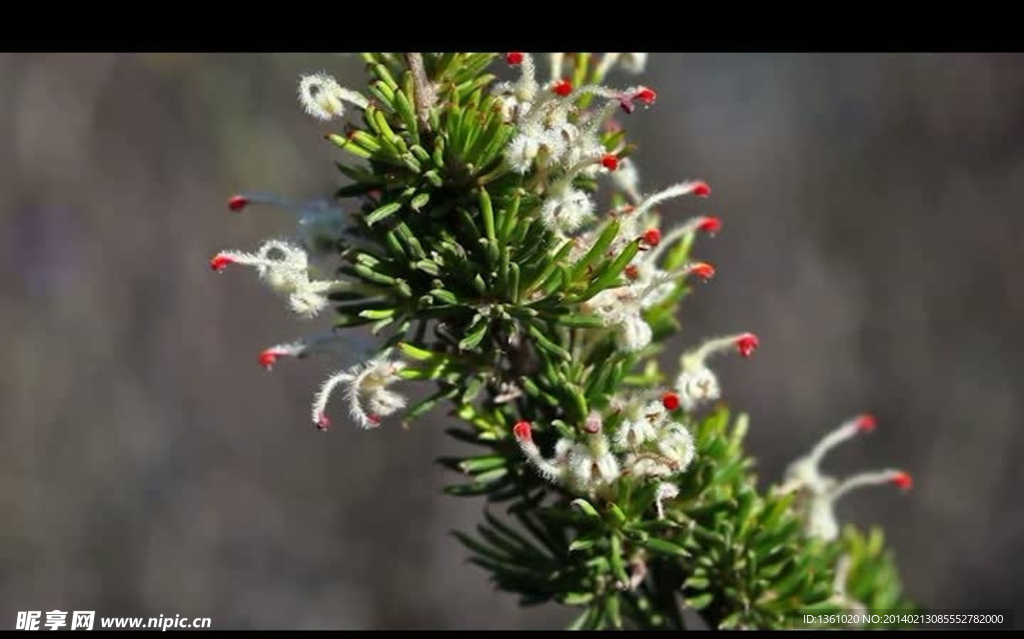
pixel 459 274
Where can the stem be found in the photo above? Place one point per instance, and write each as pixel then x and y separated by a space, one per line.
pixel 425 92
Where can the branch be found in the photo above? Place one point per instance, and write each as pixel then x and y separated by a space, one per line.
pixel 426 92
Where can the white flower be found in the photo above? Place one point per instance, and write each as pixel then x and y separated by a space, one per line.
pixel 581 466
pixel 676 443
pixel 285 268
pixel 819 492
pixel 633 333
pixel 320 225
pixel 323 98
pixel 697 386
pixel 621 311
pixel 692 187
pixel 566 208
pixel 820 520
pixel 639 425
pixel 298 349
pixel 805 472
pixel 592 464
pixel 696 383
pixel 366 392
pixel 524 150
pixel 664 492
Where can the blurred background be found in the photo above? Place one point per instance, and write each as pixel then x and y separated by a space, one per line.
pixel 874 240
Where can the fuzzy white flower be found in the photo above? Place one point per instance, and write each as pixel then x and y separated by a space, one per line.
pixel 285 268
pixel 639 425
pixel 592 463
pixel 664 492
pixel 323 98
pixel 566 208
pixel 366 392
pixel 820 519
pixel 675 442
pixel 691 187
pixel 696 383
pixel 697 386
pixel 819 492
pixel 297 349
pixel 554 470
pixel 805 472
pixel 320 225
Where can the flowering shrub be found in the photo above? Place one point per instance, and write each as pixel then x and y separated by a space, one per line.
pixel 473 244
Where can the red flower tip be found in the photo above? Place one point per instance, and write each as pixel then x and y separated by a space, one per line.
pixel 903 480
pixel 747 343
pixel 710 224
pixel 515 57
pixel 632 271
pixel 705 271
pixel 701 189
pixel 652 237
pixel 670 401
pixel 220 262
pixel 866 423
pixel 322 422
pixel 562 88
pixel 267 359
pixel 646 95
pixel 238 202
pixel 610 161
pixel 522 432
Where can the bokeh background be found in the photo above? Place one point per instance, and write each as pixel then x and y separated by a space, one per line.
pixel 874 239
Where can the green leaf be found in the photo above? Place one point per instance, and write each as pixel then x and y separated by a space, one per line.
pixel 664 547
pixel 474 336
pixel 487 212
pixel 584 506
pixel 605 240
pixel 383 212
pixel 582 544
pixel 700 602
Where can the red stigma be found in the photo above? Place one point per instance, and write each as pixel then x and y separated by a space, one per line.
pixel 646 95
pixel 322 422
pixel 705 271
pixel 866 423
pixel 903 480
pixel 515 57
pixel 670 401
pixel 710 225
pixel 632 271
pixel 220 262
pixel 562 88
pixel 610 161
pixel 267 359
pixel 522 432
pixel 746 344
pixel 701 189
pixel 238 202
pixel 652 237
